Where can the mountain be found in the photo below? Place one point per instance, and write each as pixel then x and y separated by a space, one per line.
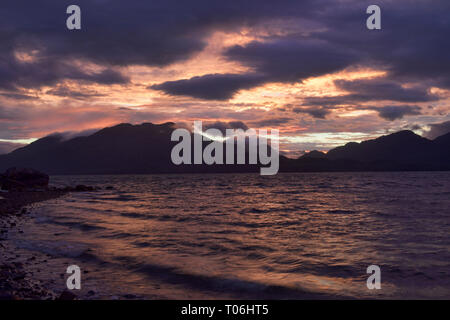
pixel 146 148
pixel 315 155
pixel 403 146
pixel 403 150
pixel 121 149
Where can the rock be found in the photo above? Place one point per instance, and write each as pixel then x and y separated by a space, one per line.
pixel 67 295
pixel 19 179
pixel 79 188
pixel 82 188
pixel 109 188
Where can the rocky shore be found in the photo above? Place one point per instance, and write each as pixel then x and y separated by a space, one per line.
pixel 15 282
pixel 20 189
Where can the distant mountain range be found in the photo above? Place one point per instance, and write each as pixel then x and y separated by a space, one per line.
pixel 146 148
pixel 400 151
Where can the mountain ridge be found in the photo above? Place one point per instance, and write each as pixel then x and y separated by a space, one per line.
pixel 145 148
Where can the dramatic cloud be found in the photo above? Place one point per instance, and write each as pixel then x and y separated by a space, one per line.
pixel 223 62
pixel 316 112
pixel 405 54
pixel 285 60
pixel 292 60
pixel 211 87
pixel 412 46
pixel 115 33
pixel 366 90
pixel 383 89
pixel 48 71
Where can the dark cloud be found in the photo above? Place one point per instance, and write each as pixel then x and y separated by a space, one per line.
pixel 292 60
pixel 274 61
pixel 366 90
pixel 270 122
pixel 412 47
pixel 384 89
pixel 17 96
pixel 49 71
pixel 392 113
pixel 211 87
pixel 116 33
pixel 316 112
pixel 437 129
pixel 299 39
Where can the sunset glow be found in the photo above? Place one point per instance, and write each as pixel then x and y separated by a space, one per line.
pixel 307 106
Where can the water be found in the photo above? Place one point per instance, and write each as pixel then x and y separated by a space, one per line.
pixel 288 236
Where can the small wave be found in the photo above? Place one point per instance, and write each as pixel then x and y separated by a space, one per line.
pixel 118 235
pixel 132 215
pixel 256 248
pixel 54 248
pixel 121 198
pixel 83 226
pixel 250 224
pixel 237 287
pixel 337 211
pixel 253 210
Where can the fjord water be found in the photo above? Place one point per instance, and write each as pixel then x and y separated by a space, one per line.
pixel 287 236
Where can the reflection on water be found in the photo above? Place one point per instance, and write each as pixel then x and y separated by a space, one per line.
pixel 248 236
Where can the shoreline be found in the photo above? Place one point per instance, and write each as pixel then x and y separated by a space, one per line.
pixel 15 280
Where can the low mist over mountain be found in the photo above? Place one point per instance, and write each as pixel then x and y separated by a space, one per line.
pixel 146 148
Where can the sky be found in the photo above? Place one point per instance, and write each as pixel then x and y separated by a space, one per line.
pixel 310 69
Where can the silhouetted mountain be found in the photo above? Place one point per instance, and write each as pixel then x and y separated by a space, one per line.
pixel 402 150
pixel 315 155
pixel 121 149
pixel 146 148
pixel 443 140
pixel 402 146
